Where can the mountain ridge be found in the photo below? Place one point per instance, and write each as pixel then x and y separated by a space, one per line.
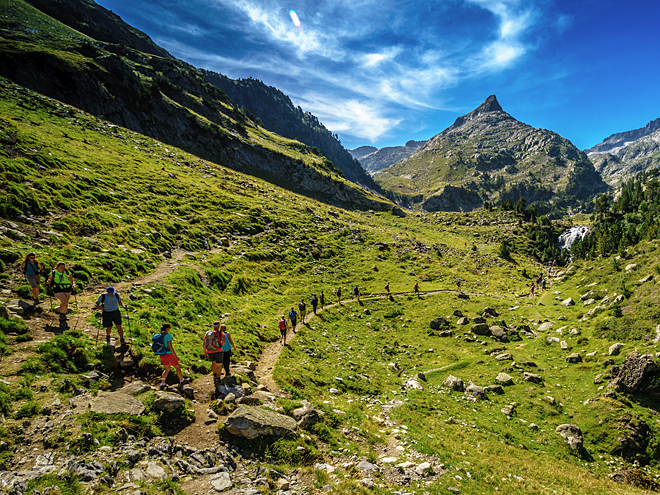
pixel 622 139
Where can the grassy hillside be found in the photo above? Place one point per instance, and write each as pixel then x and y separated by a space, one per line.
pixel 189 241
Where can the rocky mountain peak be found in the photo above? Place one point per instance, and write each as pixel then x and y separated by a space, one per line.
pixel 489 106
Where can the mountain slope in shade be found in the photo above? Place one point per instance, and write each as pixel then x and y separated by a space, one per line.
pixel 358 153
pixel 385 157
pixel 277 113
pixel 636 156
pixel 617 141
pixel 487 155
pixel 158 96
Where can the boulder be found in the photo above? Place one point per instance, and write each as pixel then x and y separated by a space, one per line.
pixel 479 319
pixel 463 321
pixel 544 327
pixel 135 388
pixel 86 472
pixel 568 302
pixel 636 370
pixel 596 309
pixel 504 357
pixel 476 390
pixel 252 422
pixel 454 383
pixel 499 333
pixel 572 434
pixel 496 389
pixel 615 349
pixel 509 410
pixel 116 403
pixel 306 416
pixel 168 401
pixel 574 358
pixel 458 313
pixel 491 312
pixel 504 379
pixel 481 329
pixel 550 340
pixel 589 302
pixel 221 481
pixel 413 384
pixel 445 333
pixel 564 345
pixel 155 471
pixel 631 266
pixel 366 466
pixel 532 377
pixel 437 323
pixel 18 306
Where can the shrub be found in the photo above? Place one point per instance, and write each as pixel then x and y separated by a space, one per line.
pixel 29 410
pixel 13 325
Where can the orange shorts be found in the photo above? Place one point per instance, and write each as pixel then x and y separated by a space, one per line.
pixel 169 360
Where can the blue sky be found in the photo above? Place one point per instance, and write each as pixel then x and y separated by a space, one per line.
pixel 382 72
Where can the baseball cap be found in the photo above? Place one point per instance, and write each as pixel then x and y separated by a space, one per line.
pixel 110 289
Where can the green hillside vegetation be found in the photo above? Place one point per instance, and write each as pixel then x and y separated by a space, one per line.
pixel 116 205
pixel 156 95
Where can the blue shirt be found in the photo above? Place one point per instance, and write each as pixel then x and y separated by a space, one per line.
pixel 227 346
pixel 166 338
pixel 31 269
pixel 111 302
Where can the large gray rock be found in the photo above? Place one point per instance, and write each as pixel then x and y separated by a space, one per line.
pixel 454 383
pixel 86 472
pixel 18 306
pixel 252 422
pixel 615 349
pixel 504 379
pixel 116 403
pixel 481 329
pixel 630 376
pixel 155 471
pixel 544 327
pixel 479 319
pixel 437 323
pixel 306 416
pixel 499 333
pixel 574 358
pixel 589 302
pixel 168 401
pixel 568 302
pixel 504 357
pixel 491 312
pixel 464 320
pixel 134 388
pixel 572 434
pixel 532 377
pixel 221 481
pixel 476 390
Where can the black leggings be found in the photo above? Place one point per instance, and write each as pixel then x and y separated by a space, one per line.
pixel 226 358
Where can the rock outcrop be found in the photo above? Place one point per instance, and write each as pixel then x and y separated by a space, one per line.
pixel 252 422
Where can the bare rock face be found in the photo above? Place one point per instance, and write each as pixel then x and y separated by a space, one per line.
pixel 253 422
pixel 630 376
pixel 572 434
pixel 116 403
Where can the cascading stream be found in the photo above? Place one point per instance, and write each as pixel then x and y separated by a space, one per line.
pixel 569 236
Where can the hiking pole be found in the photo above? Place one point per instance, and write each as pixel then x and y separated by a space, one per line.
pixel 99 328
pixel 130 338
pixel 75 298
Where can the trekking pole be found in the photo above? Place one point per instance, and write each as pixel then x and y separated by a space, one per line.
pixel 130 338
pixel 99 329
pixel 75 299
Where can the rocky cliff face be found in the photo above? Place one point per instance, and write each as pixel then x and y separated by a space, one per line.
pixel 616 142
pixel 358 153
pixel 490 155
pixel 275 111
pixel 161 97
pixel 624 161
pixel 385 157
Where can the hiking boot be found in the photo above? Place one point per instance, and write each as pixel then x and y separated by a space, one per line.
pixel 122 342
pixel 62 316
pixel 163 386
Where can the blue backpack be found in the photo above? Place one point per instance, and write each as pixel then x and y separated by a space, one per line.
pixel 158 344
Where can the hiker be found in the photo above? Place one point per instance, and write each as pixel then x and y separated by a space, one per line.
pixel 322 300
pixel 315 302
pixel 539 279
pixel 226 350
pixel 531 289
pixel 213 342
pixel 62 282
pixel 30 268
pixel 458 284
pixel 416 288
pixel 302 307
pixel 293 316
pixel 543 284
pixel 283 328
pixel 110 301
pixel 387 288
pixel 162 347
pixel 339 295
pixel 356 293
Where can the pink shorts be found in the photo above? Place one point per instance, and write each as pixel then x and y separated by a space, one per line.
pixel 169 360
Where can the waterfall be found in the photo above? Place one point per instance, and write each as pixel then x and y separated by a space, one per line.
pixel 569 236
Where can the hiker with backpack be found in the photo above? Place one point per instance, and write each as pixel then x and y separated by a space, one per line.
pixel 226 349
pixel 161 344
pixel 110 302
pixel 302 307
pixel 356 293
pixel 62 283
pixel 416 288
pixel 283 328
pixel 293 316
pixel 387 288
pixel 322 300
pixel 213 342
pixel 30 268
pixel 339 295
pixel 315 302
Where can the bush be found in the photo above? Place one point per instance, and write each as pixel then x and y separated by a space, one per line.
pixel 24 292
pixel 64 353
pixel 13 325
pixel 29 410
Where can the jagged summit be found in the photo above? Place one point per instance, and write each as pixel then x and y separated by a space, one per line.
pixel 490 105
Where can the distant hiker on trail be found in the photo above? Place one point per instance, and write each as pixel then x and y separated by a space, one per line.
pixel 293 316
pixel 539 279
pixel 110 302
pixel 213 342
pixel 338 295
pixel 62 282
pixel 315 302
pixel 458 284
pixel 283 327
pixel 356 293
pixel 543 284
pixel 531 289
pixel 162 347
pixel 226 351
pixel 30 268
pixel 387 288
pixel 322 300
pixel 302 307
pixel 416 288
